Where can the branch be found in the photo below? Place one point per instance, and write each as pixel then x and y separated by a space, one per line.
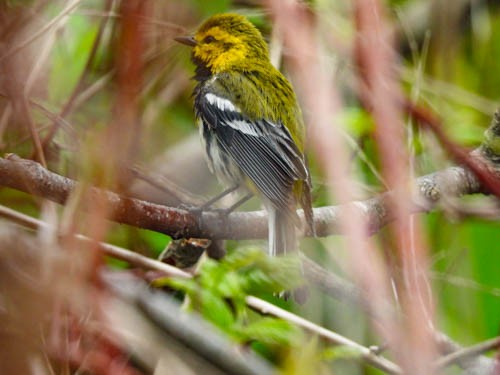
pixel 489 180
pixel 465 354
pixel 128 256
pixel 30 177
pixel 474 364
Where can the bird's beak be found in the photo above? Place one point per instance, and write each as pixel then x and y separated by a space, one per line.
pixel 187 40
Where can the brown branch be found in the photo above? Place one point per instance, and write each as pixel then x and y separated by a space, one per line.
pixel 32 178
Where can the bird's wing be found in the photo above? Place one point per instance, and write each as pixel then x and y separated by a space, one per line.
pixel 262 149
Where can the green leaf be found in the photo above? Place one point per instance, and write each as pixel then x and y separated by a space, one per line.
pixel 231 286
pixel 188 286
pixel 211 274
pixel 272 332
pixel 243 257
pixel 216 310
pixel 257 281
pixel 334 353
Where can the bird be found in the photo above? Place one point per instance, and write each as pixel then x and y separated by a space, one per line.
pixel 250 123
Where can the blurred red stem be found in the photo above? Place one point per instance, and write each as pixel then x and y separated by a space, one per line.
pixel 429 120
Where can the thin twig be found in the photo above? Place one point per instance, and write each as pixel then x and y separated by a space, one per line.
pixel 68 107
pixel 147 20
pixel 128 256
pixel 365 353
pixel 92 89
pixel 23 102
pixel 68 9
pixel 465 353
pixel 179 194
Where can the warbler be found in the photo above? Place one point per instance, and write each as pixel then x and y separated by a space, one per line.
pixel 250 123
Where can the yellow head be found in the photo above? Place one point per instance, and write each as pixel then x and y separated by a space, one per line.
pixel 227 42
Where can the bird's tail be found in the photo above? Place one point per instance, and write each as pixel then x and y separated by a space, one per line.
pixel 282 236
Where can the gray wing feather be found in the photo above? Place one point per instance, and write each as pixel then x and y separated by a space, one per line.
pixel 263 150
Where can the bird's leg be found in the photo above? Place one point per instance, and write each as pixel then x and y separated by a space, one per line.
pixel 218 197
pixel 224 212
pixel 234 206
pixel 197 211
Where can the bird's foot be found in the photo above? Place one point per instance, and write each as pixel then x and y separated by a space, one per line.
pixel 221 214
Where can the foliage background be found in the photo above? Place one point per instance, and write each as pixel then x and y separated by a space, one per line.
pixel 449 62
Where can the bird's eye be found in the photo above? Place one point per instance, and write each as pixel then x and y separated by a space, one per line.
pixel 209 39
